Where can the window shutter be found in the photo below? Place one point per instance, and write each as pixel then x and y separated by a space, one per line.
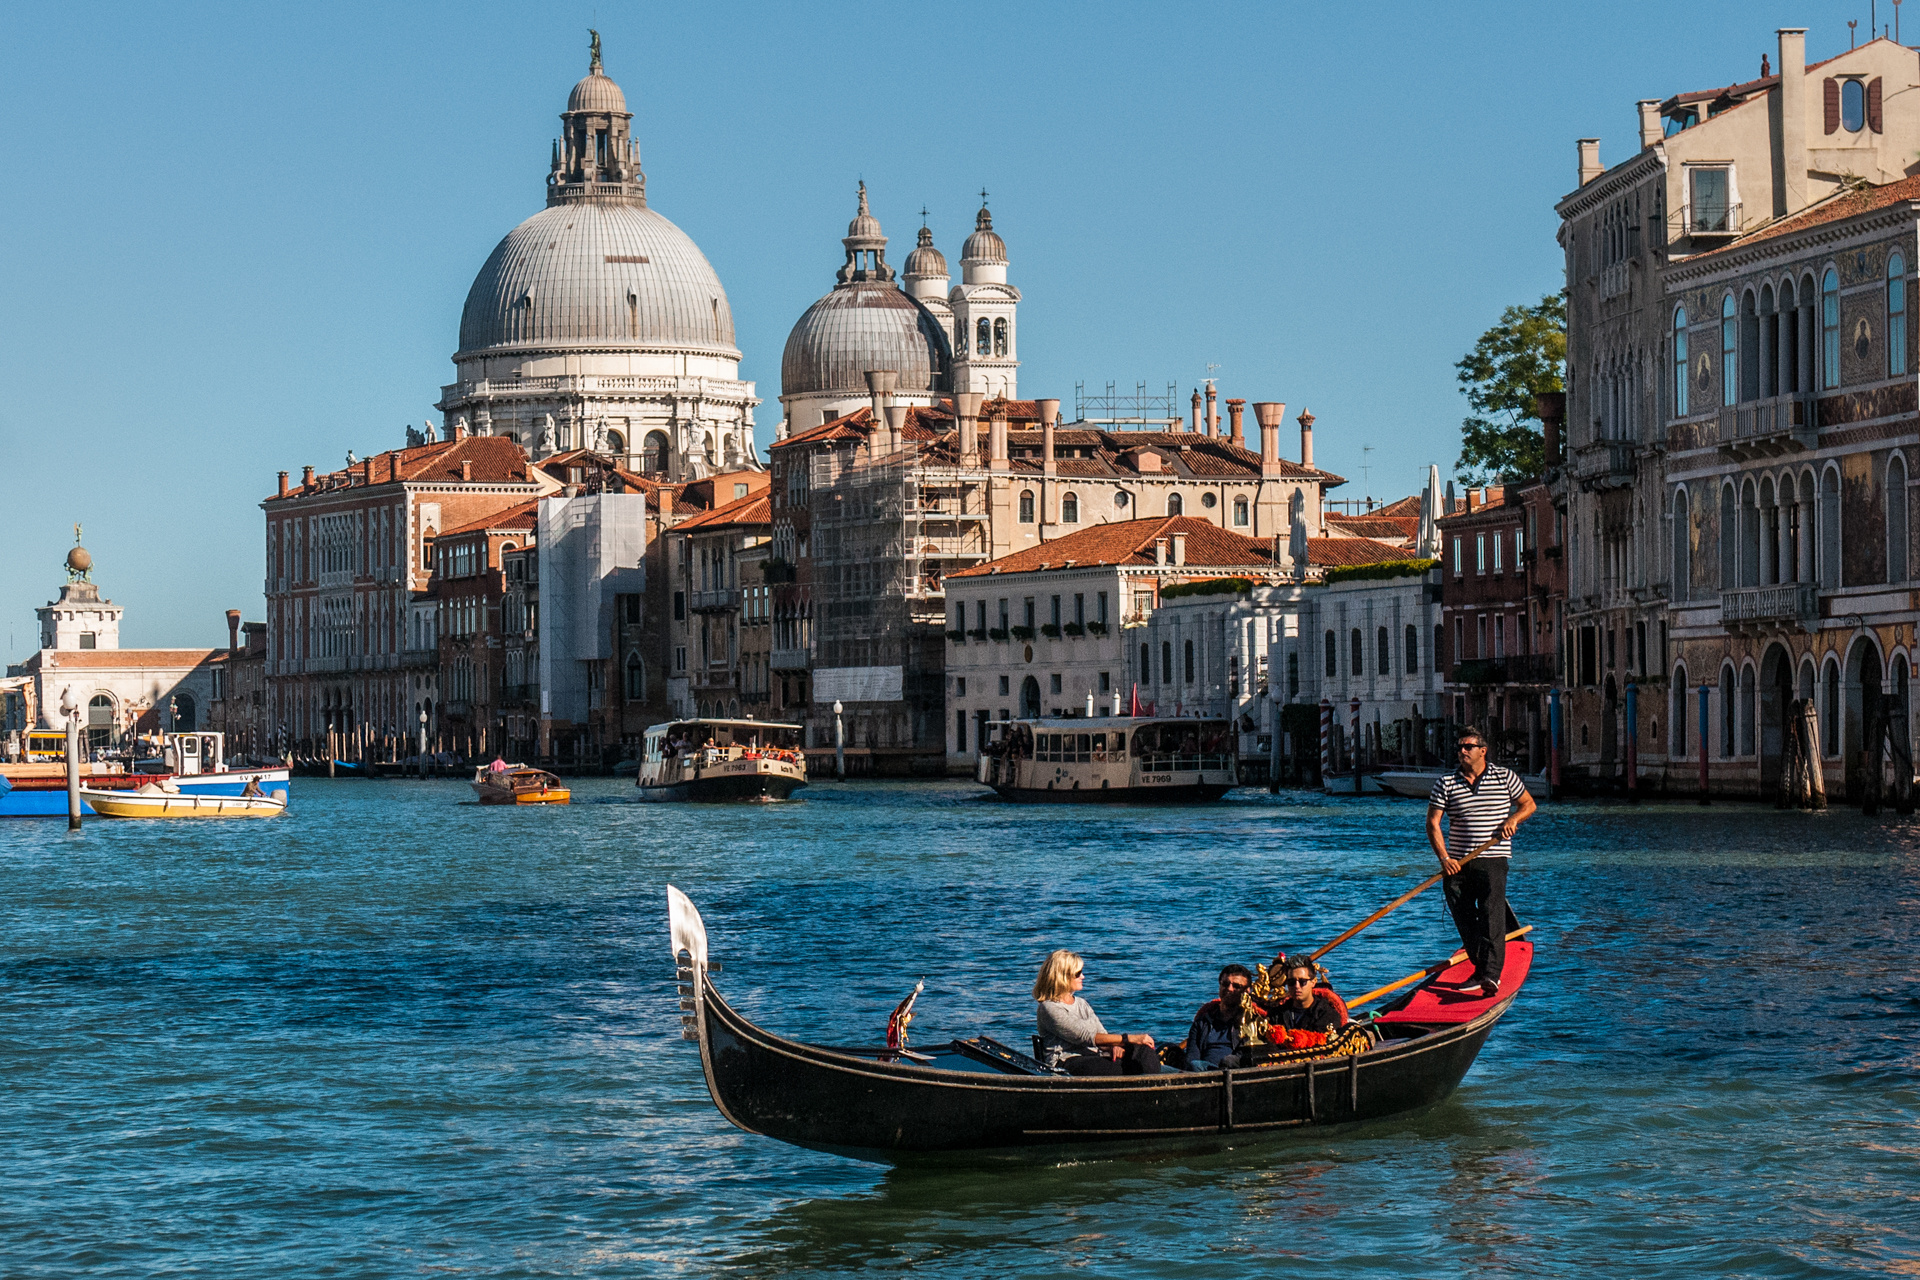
pixel 1873 105
pixel 1833 104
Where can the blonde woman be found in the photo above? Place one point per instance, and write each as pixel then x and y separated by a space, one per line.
pixel 1072 1037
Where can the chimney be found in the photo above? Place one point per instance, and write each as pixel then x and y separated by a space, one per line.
pixel 997 437
pixel 466 471
pixel 1551 408
pixel 306 477
pixel 459 428
pixel 1213 411
pixel 1589 160
pixel 1306 437
pixel 1791 163
pixel 1649 122
pixel 283 484
pixel 233 629
pixel 1473 499
pixel 966 405
pixel 1049 413
pixel 1159 550
pixel 1269 414
pixel 896 427
pixel 1234 409
pixel 880 385
pixel 1179 541
pixel 1196 410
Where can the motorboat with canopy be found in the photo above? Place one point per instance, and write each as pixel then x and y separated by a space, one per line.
pixel 721 760
pixel 1127 759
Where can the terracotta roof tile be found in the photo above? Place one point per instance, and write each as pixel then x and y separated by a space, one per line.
pixel 65 659
pixel 1130 542
pixel 1332 552
pixel 523 516
pixel 495 460
pixel 754 509
pixel 1850 203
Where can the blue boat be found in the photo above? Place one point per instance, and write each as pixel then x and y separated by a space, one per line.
pixel 195 763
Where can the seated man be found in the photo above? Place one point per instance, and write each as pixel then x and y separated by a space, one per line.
pixel 1300 1007
pixel 1214 1039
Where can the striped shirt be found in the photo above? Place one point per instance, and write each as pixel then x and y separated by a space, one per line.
pixel 1474 811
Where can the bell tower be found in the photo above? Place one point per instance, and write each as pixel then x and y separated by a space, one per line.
pixel 986 341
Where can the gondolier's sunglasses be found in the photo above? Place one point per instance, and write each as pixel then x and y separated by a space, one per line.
pixel 1473 746
pixel 1230 984
pixel 1299 982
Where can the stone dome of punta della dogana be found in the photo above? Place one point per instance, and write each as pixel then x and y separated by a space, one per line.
pixel 597 323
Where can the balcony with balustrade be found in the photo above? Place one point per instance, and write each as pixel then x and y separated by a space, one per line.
pixel 1768 427
pixel 1605 464
pixel 1786 606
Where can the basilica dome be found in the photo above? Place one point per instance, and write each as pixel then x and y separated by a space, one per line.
pixel 865 325
pixel 867 322
pixel 593 273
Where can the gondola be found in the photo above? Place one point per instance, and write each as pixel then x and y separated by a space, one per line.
pixel 982 1098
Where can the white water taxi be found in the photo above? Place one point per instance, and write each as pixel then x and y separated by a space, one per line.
pixel 1131 759
pixel 1417 784
pixel 163 800
pixel 721 760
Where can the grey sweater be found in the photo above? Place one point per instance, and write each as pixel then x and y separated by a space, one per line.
pixel 1067 1029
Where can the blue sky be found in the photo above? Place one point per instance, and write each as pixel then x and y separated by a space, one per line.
pixel 236 239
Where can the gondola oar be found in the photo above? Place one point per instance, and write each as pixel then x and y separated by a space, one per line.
pixel 1427 972
pixel 1403 899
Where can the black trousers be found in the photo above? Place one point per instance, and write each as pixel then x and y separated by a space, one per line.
pixel 1135 1060
pixel 1477 899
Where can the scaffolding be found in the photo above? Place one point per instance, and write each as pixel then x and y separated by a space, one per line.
pixel 1137 412
pixel 886 531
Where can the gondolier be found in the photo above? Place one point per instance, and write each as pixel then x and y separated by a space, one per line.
pixel 1480 801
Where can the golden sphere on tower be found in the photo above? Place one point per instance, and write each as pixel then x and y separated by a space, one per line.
pixel 79 560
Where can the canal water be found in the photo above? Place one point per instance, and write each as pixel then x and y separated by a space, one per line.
pixel 394 1034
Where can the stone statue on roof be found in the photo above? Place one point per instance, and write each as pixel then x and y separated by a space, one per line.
pixel 596 49
pixel 548 443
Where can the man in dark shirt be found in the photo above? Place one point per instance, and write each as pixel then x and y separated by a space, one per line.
pixel 1214 1039
pixel 1302 1008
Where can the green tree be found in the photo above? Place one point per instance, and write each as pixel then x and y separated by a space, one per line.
pixel 1522 355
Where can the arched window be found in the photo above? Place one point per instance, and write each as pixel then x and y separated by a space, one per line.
pixel 183 713
pixel 1749 536
pixel 1384 646
pixel 1853 105
pixel 1682 546
pixel 1240 513
pixel 1070 509
pixel 1000 344
pixel 1679 363
pixel 1896 316
pixel 1358 665
pixel 1166 662
pixel 1830 328
pixel 1750 358
pixel 1830 713
pixel 1333 656
pixel 1730 351
pixel 1830 529
pixel 1897 534
pixel 1174 505
pixel 1413 650
pixel 983 338
pixel 1727 717
pixel 636 679
pixel 1746 711
pixel 1677 718
pixel 1026 506
pixel 1030 698
pixel 616 444
pixel 1186 657
pixel 1729 538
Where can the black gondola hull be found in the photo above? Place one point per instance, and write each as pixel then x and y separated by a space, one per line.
pixel 839 1101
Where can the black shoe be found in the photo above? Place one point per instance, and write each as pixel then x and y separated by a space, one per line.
pixel 1489 988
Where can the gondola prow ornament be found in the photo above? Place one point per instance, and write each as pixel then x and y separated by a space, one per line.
pixel 902 1015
